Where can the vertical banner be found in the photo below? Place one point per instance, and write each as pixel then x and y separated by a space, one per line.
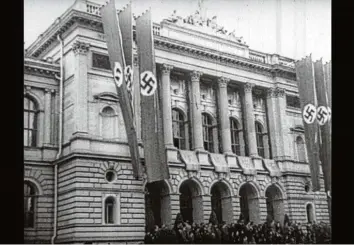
pixel 114 46
pixel 305 80
pixel 125 20
pixel 323 118
pixel 151 118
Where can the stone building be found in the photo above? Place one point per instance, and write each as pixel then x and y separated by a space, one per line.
pixel 233 134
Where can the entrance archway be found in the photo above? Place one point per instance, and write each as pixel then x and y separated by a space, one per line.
pixel 249 203
pixel 157 204
pixel 274 203
pixel 221 202
pixel 191 205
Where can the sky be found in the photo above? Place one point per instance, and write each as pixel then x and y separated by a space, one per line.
pixel 305 24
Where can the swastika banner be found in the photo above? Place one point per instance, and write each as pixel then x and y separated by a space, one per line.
pixel 152 123
pixel 114 45
pixel 306 87
pixel 324 119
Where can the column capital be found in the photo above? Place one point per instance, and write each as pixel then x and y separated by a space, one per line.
pixel 195 76
pixel 271 93
pixel 248 87
pixel 47 90
pixel 280 92
pixel 80 47
pixel 166 68
pixel 223 82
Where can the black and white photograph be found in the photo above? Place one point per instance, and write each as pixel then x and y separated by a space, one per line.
pixel 169 122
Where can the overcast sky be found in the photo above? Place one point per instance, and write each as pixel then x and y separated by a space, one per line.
pixel 255 20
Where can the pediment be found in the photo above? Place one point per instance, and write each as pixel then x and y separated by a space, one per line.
pixel 107 97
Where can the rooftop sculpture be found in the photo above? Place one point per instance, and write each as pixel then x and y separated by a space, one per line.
pixel 211 23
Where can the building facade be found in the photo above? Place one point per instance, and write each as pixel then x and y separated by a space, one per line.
pixel 232 126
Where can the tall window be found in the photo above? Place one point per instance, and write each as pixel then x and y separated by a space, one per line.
pixel 110 210
pixel 30 122
pixel 301 154
pixel 260 139
pixel 235 130
pixel 178 129
pixel 310 215
pixel 207 132
pixel 29 205
pixel 108 123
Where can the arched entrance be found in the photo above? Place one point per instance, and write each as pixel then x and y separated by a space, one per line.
pixel 249 203
pixel 221 202
pixel 191 205
pixel 157 204
pixel 274 203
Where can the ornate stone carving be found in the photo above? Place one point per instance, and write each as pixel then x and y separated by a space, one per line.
pixel 80 47
pixel 223 82
pixel 135 60
pixel 271 93
pixel 248 87
pixel 166 68
pixel 280 92
pixel 195 76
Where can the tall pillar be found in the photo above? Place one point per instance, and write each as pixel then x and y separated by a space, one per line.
pixel 168 125
pixel 250 120
pixel 282 126
pixel 195 105
pixel 223 114
pixel 80 50
pixel 47 116
pixel 272 122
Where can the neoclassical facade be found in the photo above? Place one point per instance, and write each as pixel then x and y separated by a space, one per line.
pixel 233 135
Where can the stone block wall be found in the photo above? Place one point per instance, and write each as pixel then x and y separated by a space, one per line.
pixel 82 193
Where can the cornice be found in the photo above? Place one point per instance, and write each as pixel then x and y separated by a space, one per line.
pixel 38 48
pixel 41 68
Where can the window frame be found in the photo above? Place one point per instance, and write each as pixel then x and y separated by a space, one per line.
pixel 235 135
pixel 103 118
pixel 260 139
pixel 115 210
pixel 33 199
pixel 181 126
pixel 33 142
pixel 207 132
pixel 303 145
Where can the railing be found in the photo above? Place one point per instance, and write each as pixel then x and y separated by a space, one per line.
pixel 286 62
pixel 257 57
pixel 156 29
pixel 93 8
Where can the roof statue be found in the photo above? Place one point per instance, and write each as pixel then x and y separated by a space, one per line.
pixel 197 19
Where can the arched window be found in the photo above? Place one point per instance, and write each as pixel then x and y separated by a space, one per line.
pixel 110 210
pixel 108 123
pixel 310 213
pixel 29 204
pixel 260 139
pixel 178 129
pixel 30 122
pixel 207 132
pixel 235 132
pixel 301 153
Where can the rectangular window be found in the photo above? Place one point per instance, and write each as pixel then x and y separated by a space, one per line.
pixel 101 61
pixel 109 213
pixel 293 101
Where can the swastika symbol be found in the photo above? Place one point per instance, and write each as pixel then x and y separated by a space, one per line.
pixel 309 113
pixel 117 74
pixel 128 77
pixel 322 115
pixel 148 83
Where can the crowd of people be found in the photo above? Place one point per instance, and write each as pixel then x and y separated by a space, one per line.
pixel 241 233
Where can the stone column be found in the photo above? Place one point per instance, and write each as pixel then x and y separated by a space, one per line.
pixel 47 116
pixel 282 126
pixel 195 106
pixel 168 125
pixel 272 122
pixel 250 120
pixel 80 50
pixel 223 114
